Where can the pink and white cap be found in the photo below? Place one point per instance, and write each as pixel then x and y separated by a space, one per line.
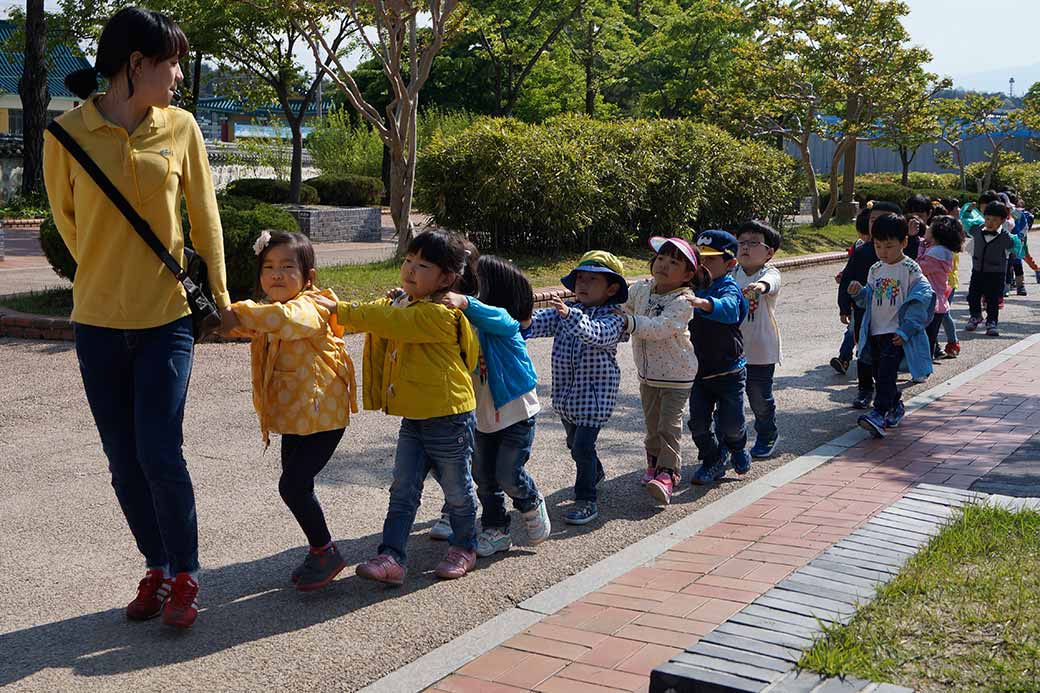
pixel 658 242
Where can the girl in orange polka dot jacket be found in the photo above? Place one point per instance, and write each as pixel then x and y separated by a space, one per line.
pixel 303 385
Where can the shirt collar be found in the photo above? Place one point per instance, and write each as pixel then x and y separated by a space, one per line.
pixel 93 119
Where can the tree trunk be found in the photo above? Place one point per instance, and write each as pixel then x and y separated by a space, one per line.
pixel 35 95
pixel 832 204
pixel 296 168
pixel 904 158
pixel 845 210
pixel 385 172
pixel 810 175
pixel 196 82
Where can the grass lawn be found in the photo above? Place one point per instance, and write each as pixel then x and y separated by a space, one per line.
pixel 963 615
pixel 368 281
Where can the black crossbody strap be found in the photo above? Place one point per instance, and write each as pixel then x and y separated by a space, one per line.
pixel 122 204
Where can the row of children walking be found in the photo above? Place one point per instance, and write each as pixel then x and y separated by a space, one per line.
pixel 895 291
pixel 447 352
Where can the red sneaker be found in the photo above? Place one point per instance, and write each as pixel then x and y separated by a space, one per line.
pixel 152 592
pixel 181 608
pixel 648 475
pixel 456 563
pixel 382 568
pixel 953 349
pixel 661 486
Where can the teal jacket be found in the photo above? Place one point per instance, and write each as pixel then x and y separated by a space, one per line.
pixel 510 372
pixel 914 315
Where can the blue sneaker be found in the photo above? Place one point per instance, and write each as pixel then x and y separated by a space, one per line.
pixel 741 462
pixel 764 447
pixel 708 474
pixel 583 513
pixel 893 417
pixel 873 423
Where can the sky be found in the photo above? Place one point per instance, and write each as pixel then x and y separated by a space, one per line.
pixel 950 30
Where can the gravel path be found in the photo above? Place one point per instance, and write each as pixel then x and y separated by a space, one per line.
pixel 69 564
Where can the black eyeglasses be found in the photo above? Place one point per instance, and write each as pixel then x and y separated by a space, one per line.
pixel 750 244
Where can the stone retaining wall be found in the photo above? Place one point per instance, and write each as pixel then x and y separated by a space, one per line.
pixel 338 224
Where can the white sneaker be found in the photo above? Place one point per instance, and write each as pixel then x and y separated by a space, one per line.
pixel 491 541
pixel 536 521
pixel 441 529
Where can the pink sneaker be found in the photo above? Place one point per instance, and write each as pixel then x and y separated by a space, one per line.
pixel 456 563
pixel 661 486
pixel 382 568
pixel 648 475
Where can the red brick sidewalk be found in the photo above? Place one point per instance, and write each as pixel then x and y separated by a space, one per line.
pixel 612 638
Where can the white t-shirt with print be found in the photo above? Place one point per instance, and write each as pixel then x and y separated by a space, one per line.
pixel 891 284
pixel 492 420
pixel 760 329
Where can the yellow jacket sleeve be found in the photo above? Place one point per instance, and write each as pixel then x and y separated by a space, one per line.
pixel 57 180
pixel 299 318
pixel 206 233
pixel 424 323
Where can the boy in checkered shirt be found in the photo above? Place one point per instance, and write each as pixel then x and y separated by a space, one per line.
pixel 585 373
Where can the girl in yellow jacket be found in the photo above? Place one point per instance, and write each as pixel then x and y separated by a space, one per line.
pixel 303 385
pixel 417 364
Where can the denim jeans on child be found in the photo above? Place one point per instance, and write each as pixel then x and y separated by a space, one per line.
pixel 760 397
pixel 864 373
pixel 948 325
pixel 581 441
pixel 137 384
pixel 847 343
pixel 444 443
pixel 719 400
pixel 885 363
pixel 498 470
pixel 303 457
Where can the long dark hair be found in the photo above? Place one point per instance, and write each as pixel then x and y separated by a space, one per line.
pixel 297 242
pixel 452 253
pixel 130 30
pixel 503 285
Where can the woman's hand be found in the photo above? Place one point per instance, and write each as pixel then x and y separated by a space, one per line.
pixel 454 300
pixel 557 304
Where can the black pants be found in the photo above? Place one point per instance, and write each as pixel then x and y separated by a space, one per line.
pixel 886 357
pixel 864 373
pixel 991 286
pixel 303 457
pixel 933 330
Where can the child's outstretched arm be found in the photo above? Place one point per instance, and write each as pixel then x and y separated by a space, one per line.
pixel 299 318
pixel 415 325
pixel 489 319
pixel 603 332
pixel 673 320
pixel 544 323
pixel 728 308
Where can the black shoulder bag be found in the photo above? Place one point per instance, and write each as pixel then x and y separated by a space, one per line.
pixel 194 277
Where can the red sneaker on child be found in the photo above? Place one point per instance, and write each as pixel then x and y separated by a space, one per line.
pixel 181 608
pixel 152 592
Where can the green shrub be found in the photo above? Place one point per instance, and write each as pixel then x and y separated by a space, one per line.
pixel 33 206
pixel 573 183
pixel 934 181
pixel 341 148
pixel 54 248
pixel 1024 179
pixel 347 190
pixel 271 191
pixel 241 226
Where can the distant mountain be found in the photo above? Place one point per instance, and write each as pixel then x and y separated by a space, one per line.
pixel 997 80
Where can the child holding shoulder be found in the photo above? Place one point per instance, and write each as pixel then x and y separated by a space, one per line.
pixel 760 283
pixel 507 402
pixel 585 373
pixel 303 385
pixel 943 240
pixel 717 395
pixel 417 363
pixel 991 247
pixel 843 360
pixel 898 303
pixel 657 317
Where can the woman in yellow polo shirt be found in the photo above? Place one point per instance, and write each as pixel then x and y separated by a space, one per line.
pixel 131 320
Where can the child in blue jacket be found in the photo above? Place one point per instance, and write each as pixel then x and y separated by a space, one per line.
pixel 585 373
pixel 507 402
pixel 898 304
pixel 718 391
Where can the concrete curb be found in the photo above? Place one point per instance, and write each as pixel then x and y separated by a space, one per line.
pixel 30 326
pixel 433 666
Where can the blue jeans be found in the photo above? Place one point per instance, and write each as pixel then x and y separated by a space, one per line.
pixel 136 383
pixel 498 470
pixel 760 397
pixel 581 441
pixel 847 343
pixel 719 399
pixel 885 358
pixel 948 325
pixel 445 444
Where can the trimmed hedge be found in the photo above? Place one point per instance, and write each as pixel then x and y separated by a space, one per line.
pixel 242 221
pixel 271 191
pixel 347 190
pixel 574 183
pixel 889 192
pixel 1024 179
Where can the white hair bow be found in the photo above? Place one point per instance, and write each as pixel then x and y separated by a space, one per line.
pixel 261 242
